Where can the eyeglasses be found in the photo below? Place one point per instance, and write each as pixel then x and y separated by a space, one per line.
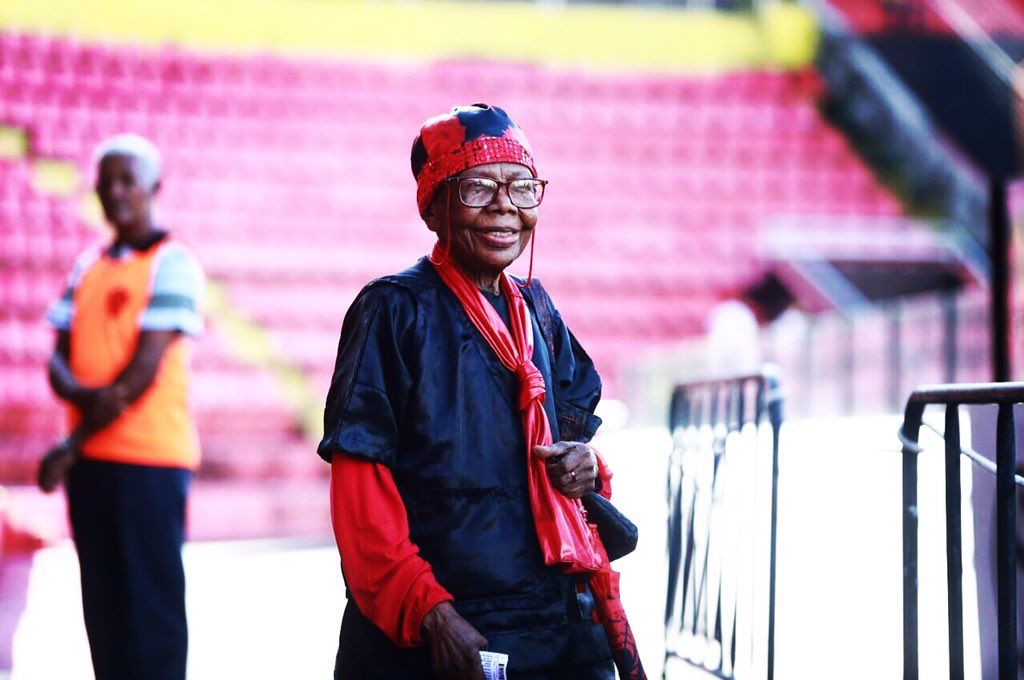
pixel 480 192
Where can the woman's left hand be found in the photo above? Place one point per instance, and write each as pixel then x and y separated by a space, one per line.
pixel 571 466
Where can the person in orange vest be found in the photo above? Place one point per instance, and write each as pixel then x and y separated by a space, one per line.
pixel 121 364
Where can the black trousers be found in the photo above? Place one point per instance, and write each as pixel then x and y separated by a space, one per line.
pixel 576 649
pixel 128 523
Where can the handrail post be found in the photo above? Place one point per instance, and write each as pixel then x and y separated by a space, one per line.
pixel 999 288
pixel 895 342
pixel 949 343
pixel 678 413
pixel 911 431
pixel 775 418
pixel 954 558
pixel 1006 543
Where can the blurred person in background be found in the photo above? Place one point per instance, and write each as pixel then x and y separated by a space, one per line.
pixel 456 428
pixel 121 364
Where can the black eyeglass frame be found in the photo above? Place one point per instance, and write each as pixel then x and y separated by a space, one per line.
pixel 457 181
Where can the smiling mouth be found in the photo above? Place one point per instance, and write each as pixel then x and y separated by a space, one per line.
pixel 498 238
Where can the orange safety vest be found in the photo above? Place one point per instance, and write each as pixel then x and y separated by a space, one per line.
pixel 109 300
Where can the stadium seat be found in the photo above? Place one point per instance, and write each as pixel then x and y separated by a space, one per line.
pixel 289 178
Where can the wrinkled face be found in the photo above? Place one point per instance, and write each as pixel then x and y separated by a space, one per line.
pixel 484 241
pixel 123 193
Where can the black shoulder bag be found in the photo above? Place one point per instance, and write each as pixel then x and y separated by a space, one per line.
pixel 617 533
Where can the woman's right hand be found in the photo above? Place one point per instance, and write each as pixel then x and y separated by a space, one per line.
pixel 455 644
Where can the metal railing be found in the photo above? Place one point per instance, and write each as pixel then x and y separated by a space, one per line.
pixel 720 602
pixel 1003 395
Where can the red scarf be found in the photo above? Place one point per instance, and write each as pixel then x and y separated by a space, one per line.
pixel 565 537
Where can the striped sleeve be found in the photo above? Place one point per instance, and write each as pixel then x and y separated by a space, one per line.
pixel 62 311
pixel 176 301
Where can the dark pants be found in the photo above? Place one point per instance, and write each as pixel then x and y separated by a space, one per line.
pixel 574 650
pixel 128 525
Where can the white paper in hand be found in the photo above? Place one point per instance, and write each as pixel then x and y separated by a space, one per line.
pixel 494 665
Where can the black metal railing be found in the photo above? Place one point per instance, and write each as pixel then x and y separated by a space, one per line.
pixel 720 602
pixel 1003 395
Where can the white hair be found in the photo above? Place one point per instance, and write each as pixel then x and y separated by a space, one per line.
pixel 137 147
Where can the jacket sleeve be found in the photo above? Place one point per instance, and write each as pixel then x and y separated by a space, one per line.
pixel 371 378
pixel 391 584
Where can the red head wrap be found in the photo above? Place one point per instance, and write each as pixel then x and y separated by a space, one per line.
pixel 468 136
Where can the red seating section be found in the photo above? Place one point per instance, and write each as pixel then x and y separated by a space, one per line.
pixel 38 238
pixel 290 179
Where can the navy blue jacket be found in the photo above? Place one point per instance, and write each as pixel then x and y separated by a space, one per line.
pixel 418 389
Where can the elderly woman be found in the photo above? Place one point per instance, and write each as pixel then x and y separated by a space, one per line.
pixel 456 428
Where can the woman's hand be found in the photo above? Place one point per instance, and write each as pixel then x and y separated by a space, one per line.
pixel 454 644
pixel 571 466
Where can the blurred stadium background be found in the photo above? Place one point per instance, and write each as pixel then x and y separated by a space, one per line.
pixel 812 184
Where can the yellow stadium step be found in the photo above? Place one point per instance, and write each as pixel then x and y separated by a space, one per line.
pixel 13 142
pixel 781 34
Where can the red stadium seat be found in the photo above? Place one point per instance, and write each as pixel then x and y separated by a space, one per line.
pixel 290 178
